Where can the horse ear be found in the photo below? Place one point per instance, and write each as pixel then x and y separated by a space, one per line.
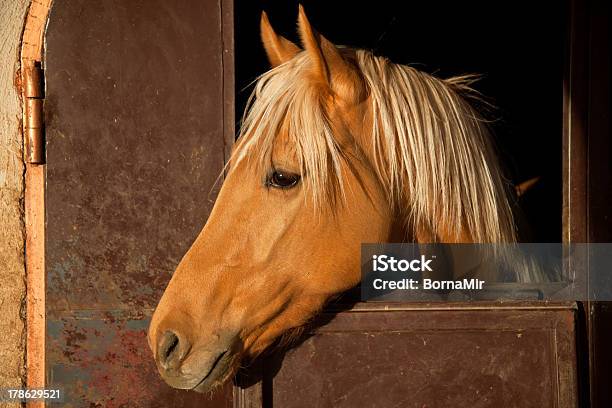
pixel 278 48
pixel 330 65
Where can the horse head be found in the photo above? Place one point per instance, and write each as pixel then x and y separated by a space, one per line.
pixel 338 147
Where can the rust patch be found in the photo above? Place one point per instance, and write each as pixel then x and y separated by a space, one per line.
pixel 18 82
pixel 106 362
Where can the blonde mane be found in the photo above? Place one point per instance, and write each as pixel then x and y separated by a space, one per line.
pixel 431 149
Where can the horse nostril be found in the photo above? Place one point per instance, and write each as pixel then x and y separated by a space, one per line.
pixel 171 350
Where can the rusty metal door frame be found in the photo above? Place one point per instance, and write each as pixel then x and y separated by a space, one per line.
pixel 34 205
pixel 586 150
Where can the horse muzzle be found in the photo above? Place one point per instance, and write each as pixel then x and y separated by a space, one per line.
pixel 200 368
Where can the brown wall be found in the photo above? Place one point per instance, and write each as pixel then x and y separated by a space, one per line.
pixel 12 271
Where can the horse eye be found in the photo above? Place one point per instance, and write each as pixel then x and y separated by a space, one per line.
pixel 283 179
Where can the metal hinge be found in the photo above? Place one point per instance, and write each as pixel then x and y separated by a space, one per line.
pixel 33 123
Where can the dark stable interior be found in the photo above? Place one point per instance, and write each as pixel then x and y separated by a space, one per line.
pixel 518 47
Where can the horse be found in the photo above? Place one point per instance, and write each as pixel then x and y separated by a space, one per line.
pixel 337 147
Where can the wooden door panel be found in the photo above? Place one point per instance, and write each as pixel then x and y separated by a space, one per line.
pixel 135 119
pixel 469 355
